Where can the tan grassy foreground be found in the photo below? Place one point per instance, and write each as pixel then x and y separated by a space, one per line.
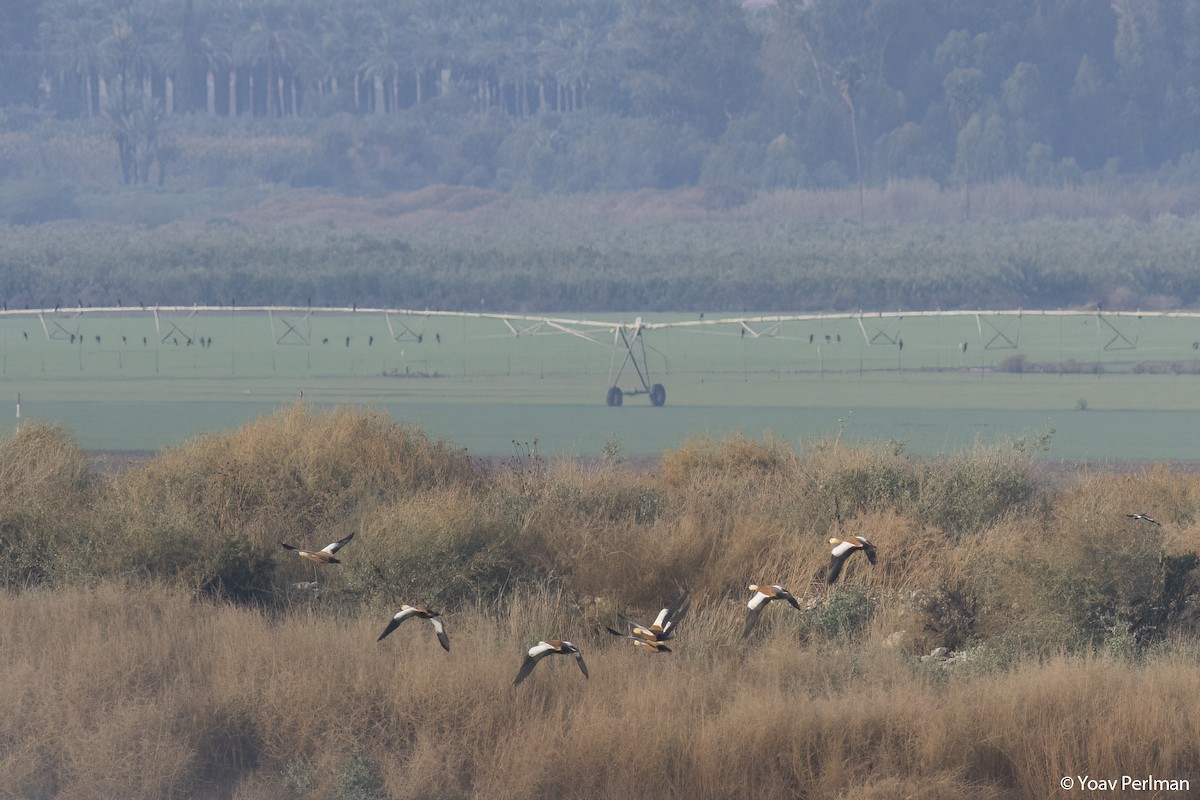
pixel 146 693
pixel 154 644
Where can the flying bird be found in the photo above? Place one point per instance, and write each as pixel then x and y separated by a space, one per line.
pixel 651 645
pixel 843 549
pixel 762 596
pixel 663 627
pixel 1144 518
pixel 543 649
pixel 322 556
pixel 421 612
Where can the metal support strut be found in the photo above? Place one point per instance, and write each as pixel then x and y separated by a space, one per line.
pixel 634 345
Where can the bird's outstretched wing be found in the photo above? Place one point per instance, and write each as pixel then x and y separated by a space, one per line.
pixel 335 546
pixel 582 666
pixel 402 615
pixel 441 632
pixel 526 667
pixel 751 620
pixel 835 566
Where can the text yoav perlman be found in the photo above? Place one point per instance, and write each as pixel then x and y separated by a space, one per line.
pixel 1127 783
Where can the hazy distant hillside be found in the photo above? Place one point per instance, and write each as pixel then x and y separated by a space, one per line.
pixel 552 95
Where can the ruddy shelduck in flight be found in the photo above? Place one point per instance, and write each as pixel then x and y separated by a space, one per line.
pixel 421 612
pixel 663 627
pixel 545 648
pixel 843 549
pixel 322 556
pixel 762 596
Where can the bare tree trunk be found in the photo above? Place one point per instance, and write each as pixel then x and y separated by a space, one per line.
pixel 169 94
pixel 357 92
pixel 87 90
pixel 250 94
pixel 210 93
pixel 380 105
pixel 419 87
pixel 102 86
pixel 233 91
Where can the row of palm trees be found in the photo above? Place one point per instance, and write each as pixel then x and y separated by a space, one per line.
pixel 275 57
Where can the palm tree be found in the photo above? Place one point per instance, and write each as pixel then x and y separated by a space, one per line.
pixel 274 44
pixel 343 33
pixel 69 36
pixel 136 120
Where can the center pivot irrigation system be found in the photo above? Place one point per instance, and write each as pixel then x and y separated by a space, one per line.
pixel 997 330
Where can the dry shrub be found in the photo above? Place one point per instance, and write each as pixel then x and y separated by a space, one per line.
pixel 855 480
pixel 441 547
pixel 297 475
pixel 44 494
pixel 973 490
pixel 735 458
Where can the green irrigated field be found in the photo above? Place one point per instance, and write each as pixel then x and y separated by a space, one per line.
pixel 1109 387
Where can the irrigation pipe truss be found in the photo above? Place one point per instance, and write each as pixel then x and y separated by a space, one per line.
pixel 771 318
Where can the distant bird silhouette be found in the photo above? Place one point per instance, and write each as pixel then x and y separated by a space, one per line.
pixel 1144 518
pixel 545 648
pixel 843 549
pixel 421 612
pixel 762 596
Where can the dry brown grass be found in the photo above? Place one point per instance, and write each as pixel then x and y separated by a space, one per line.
pixel 1075 626
pixel 148 693
pixel 45 489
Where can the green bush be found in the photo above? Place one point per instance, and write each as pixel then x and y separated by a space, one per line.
pixel 844 615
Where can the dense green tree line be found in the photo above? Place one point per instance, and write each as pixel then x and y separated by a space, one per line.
pixel 565 95
pixel 557 265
